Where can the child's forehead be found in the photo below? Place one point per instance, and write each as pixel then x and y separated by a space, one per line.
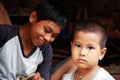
pixel 87 38
pixel 88 35
pixel 88 32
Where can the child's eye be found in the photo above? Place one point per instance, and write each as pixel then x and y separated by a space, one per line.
pixel 47 29
pixel 91 47
pixel 77 45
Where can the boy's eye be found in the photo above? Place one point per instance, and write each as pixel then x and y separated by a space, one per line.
pixel 90 47
pixel 77 45
pixel 47 29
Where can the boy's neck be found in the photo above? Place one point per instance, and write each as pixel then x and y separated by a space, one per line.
pixel 87 74
pixel 26 41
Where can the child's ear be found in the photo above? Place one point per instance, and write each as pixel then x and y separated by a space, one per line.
pixel 102 53
pixel 71 43
pixel 33 17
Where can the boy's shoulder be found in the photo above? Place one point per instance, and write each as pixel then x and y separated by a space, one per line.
pixel 7 32
pixel 69 76
pixel 102 74
pixel 46 46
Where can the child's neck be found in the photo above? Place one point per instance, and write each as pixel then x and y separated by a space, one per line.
pixel 85 74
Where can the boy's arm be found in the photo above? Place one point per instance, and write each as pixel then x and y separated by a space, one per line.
pixel 3 35
pixel 45 66
pixel 67 67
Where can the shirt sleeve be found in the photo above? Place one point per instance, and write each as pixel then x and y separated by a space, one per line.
pixel 6 33
pixel 45 66
pixel 3 34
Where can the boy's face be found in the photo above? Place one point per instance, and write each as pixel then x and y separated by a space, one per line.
pixel 86 50
pixel 43 32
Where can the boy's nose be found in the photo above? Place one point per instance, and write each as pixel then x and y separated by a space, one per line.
pixel 83 52
pixel 48 38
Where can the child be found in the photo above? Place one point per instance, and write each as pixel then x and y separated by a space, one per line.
pixel 25 49
pixel 88 48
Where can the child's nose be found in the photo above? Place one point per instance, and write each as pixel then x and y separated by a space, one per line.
pixel 83 52
pixel 48 38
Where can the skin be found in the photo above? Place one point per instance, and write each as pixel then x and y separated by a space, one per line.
pixel 66 68
pixel 4 16
pixel 37 33
pixel 86 53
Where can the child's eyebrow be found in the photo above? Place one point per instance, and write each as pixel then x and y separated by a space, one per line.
pixel 48 27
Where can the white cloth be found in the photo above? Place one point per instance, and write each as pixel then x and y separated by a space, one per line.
pixel 101 74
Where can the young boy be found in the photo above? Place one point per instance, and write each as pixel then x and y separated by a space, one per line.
pixel 26 49
pixel 88 48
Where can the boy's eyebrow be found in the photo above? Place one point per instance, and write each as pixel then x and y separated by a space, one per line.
pixel 48 27
pixel 51 30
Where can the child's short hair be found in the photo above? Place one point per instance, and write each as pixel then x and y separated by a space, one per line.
pixel 51 10
pixel 91 26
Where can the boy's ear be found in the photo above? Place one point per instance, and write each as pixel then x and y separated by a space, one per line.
pixel 102 53
pixel 71 43
pixel 33 17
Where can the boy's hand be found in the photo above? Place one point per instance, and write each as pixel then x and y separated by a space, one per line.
pixel 37 76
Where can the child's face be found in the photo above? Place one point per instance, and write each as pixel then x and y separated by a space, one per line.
pixel 86 51
pixel 43 32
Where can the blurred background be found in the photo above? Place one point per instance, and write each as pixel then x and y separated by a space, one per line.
pixel 105 11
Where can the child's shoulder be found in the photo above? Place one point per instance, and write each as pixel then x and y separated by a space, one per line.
pixel 102 74
pixel 69 76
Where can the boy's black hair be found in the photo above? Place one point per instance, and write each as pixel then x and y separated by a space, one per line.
pixel 51 10
pixel 91 26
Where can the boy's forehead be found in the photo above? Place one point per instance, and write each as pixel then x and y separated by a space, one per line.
pixel 88 34
pixel 87 37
